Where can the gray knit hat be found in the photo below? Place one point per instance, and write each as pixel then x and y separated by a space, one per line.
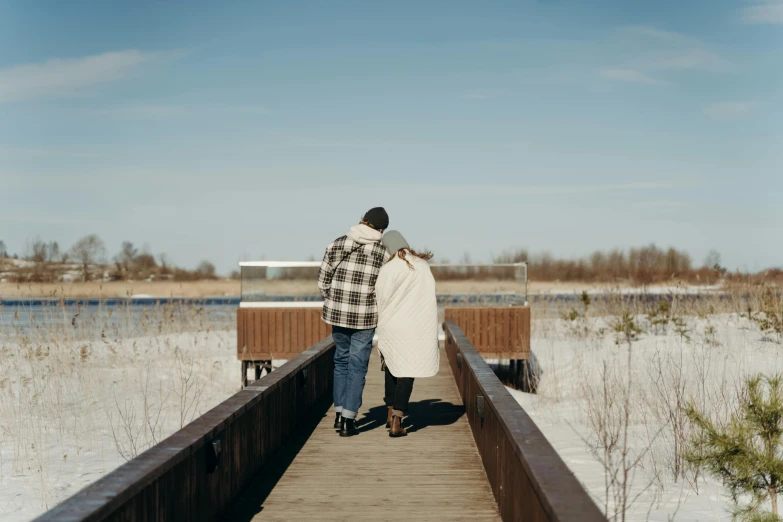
pixel 393 241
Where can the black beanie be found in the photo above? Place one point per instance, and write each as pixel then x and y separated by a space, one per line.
pixel 377 218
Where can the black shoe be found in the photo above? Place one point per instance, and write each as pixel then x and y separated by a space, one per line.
pixel 348 428
pixel 337 419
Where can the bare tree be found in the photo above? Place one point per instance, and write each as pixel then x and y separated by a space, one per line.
pixel 127 255
pixel 188 388
pixel 206 270
pixel 37 251
pixel 87 251
pixel 3 249
pixel 53 252
pixel 126 431
pixel 164 263
pixel 145 262
pixel 713 260
pixel 152 410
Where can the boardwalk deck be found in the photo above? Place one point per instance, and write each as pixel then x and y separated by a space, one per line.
pixel 435 473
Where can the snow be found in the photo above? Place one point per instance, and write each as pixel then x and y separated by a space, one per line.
pixel 22 263
pixel 672 289
pixel 58 406
pixel 638 290
pixel 60 399
pixel 70 277
pixel 721 350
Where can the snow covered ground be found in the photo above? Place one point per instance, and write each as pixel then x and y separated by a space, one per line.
pixel 72 410
pixel 607 289
pixel 703 362
pixel 74 407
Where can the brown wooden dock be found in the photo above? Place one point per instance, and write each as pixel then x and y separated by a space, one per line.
pixel 435 473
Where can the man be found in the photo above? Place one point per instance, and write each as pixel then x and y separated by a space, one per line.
pixel 347 284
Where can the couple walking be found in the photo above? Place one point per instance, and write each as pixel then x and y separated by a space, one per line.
pixel 370 280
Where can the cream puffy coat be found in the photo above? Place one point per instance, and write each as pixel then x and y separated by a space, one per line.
pixel 408 318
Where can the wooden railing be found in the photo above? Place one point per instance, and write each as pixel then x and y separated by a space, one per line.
pixel 278 333
pixel 201 470
pixel 529 479
pixel 501 332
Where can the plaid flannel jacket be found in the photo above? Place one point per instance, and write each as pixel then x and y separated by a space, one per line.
pixel 348 288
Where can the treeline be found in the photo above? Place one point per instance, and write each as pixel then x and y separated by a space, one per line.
pixel 644 265
pixel 89 258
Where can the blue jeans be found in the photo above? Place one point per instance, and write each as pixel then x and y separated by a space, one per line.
pixel 351 359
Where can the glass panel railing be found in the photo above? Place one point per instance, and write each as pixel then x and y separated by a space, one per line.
pixel 477 284
pixel 271 281
pixel 481 284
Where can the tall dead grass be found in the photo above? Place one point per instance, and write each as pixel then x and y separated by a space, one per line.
pixel 83 388
pixel 686 350
pixel 120 289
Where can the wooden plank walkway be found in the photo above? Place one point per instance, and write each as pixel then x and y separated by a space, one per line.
pixel 435 473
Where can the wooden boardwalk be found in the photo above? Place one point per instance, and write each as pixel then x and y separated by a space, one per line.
pixel 435 473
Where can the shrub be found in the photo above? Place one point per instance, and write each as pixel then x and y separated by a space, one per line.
pixel 769 317
pixel 746 453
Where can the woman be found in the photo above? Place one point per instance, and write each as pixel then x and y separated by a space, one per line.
pixel 407 325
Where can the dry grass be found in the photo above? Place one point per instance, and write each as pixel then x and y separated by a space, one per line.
pixel 585 403
pixel 686 350
pixel 121 289
pixel 232 288
pixel 83 389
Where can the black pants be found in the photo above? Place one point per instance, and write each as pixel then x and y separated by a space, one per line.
pixel 398 391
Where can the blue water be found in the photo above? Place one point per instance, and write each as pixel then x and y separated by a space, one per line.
pixel 121 316
pixel 139 315
pixel 119 301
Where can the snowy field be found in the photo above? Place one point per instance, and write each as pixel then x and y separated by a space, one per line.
pixel 81 394
pixel 75 403
pixel 583 384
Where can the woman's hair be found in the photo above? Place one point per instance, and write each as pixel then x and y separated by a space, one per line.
pixel 403 252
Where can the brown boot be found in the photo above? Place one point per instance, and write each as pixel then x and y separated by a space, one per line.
pixel 389 417
pixel 396 427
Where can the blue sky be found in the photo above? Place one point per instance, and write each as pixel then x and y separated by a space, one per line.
pixel 235 130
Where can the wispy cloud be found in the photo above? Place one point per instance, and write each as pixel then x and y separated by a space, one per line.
pixel 481 94
pixel 730 111
pixel 44 152
pixel 66 77
pixel 141 111
pixel 660 35
pixel 665 51
pixel 769 12
pixel 694 59
pixel 629 75
pixel 154 111
pixel 37 218
pixel 492 190
pixel 249 109
pixel 662 204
